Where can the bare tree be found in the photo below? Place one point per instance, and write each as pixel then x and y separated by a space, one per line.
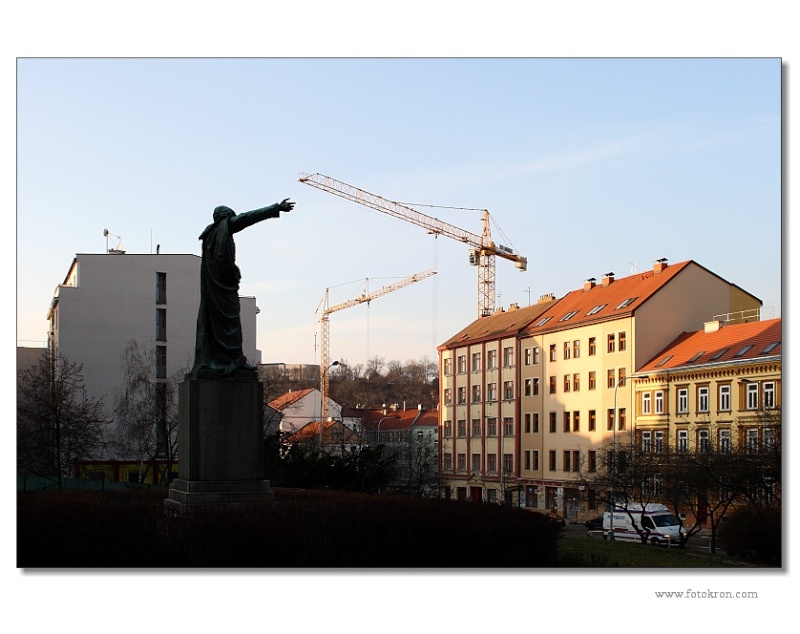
pixel 57 422
pixel 146 409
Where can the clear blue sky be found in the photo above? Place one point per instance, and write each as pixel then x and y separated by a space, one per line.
pixel 586 166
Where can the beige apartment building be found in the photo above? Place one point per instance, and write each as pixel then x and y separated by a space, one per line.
pixel 525 409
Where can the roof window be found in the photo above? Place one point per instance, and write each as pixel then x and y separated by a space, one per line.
pixel 626 303
pixel 770 347
pixel 597 309
pixel 742 352
pixel 696 357
pixel 543 321
pixel 569 315
pixel 718 354
pixel 664 360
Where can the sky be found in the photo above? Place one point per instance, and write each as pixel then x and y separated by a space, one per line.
pixel 585 165
pixel 600 136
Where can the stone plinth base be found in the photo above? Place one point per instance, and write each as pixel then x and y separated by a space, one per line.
pixel 220 443
pixel 199 492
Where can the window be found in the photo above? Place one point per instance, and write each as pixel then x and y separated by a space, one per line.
pixel 161 362
pixel 626 303
pixel 462 363
pixel 569 315
pixel 592 380
pixel 621 376
pixel 462 428
pixel 508 463
pixel 702 441
pixel 646 442
pixel 536 422
pixel 536 386
pixel 592 346
pixel 462 462
pixel 592 466
pixel 724 398
pixel 612 345
pixel 552 457
pixel 770 347
pixel 491 462
pixel 552 422
pixel 702 399
pixel 769 395
pixel 527 461
pixel 536 460
pixel 447 462
pixel 752 396
pixel 552 385
pixel 491 427
pixel 491 359
pixel 683 441
pixel 742 352
pixel 576 460
pixel 576 348
pixel 476 463
pixel 576 382
pixel 567 382
pixel 476 427
pixel 576 421
pixel 769 438
pixel 492 392
pixel 508 427
pixel 542 322
pixel 567 461
pixel 448 366
pixel 724 436
pixel 508 390
pixel 476 393
pixel 448 396
pixel 567 350
pixel 646 404
pixel 528 387
pixel 622 418
pixel 751 440
pixel 476 361
pixel 528 422
pixel 448 429
pixel 596 309
pixel 161 324
pixel 610 420
pixel 718 354
pixel 696 356
pixel 461 395
pixel 622 342
pixel 567 425
pixel 508 357
pixel 592 420
pixel 658 442
pixel 611 380
pixel 659 402
pixel 664 361
pixel 552 352
pixel 683 400
pixel 531 356
pixel 161 288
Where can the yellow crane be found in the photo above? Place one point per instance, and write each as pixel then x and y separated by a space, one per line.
pixel 364 298
pixel 483 249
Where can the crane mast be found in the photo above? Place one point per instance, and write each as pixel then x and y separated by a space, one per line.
pixel 483 249
pixel 364 298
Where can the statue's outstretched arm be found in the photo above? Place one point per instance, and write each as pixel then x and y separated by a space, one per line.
pixel 244 220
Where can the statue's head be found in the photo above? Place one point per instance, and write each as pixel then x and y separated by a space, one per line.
pixel 223 212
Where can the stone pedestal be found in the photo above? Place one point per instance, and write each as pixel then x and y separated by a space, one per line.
pixel 220 444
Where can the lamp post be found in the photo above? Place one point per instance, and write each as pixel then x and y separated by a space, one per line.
pixel 612 501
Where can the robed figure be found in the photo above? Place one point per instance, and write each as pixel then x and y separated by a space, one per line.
pixel 218 350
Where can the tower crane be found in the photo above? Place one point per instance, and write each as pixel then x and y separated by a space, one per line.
pixel 364 298
pixel 483 249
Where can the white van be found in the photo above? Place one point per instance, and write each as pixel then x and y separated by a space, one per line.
pixel 663 526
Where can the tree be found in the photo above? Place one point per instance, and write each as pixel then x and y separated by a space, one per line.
pixel 57 422
pixel 146 409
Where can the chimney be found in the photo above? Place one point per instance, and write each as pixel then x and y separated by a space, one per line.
pixel 589 284
pixel 712 326
pixel 513 307
pixel 547 297
pixel 660 265
pixel 608 278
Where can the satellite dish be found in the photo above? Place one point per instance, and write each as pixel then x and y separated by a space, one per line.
pixel 105 232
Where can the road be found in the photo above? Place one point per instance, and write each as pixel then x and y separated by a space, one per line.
pixel 578 531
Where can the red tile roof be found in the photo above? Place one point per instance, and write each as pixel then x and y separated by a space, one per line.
pixel 290 398
pixel 331 430
pixel 596 302
pixel 500 324
pixel 400 419
pixel 737 342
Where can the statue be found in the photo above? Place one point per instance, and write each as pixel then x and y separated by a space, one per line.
pixel 218 350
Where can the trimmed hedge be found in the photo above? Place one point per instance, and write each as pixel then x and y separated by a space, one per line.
pixel 303 529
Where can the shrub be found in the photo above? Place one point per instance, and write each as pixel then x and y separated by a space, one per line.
pixel 753 533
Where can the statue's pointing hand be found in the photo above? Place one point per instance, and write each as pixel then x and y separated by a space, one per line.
pixel 286 205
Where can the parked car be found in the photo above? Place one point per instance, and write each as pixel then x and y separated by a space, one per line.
pixel 595 524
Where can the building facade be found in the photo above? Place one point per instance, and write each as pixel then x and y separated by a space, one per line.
pixel 525 429
pixel 107 300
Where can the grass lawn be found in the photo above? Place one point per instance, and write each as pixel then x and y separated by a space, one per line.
pixel 599 553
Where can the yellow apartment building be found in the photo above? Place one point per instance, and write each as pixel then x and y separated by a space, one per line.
pixel 525 409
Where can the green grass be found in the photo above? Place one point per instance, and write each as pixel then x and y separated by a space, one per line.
pixel 593 552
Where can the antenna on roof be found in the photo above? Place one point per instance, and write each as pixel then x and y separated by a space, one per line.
pixel 118 248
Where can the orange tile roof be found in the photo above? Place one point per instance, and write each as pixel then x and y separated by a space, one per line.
pixel 506 323
pixel 290 398
pixel 737 342
pixel 310 431
pixel 400 419
pixel 619 298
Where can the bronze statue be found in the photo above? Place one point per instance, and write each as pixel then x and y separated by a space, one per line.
pixel 218 350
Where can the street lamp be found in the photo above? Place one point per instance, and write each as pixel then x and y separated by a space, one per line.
pixel 614 456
